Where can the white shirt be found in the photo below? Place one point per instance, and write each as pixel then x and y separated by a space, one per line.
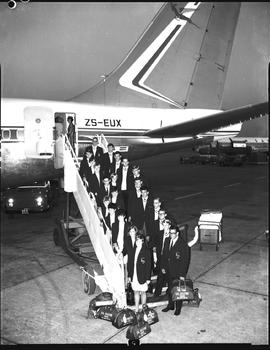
pixel 124 179
pixel 114 199
pixel 120 237
pixel 107 188
pixel 165 235
pixel 111 157
pixel 172 242
pixel 98 177
pixel 94 148
pixel 117 165
pixel 144 202
pixel 133 241
pixel 156 215
pixel 138 193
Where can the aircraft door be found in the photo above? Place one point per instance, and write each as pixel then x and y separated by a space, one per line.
pixel 38 128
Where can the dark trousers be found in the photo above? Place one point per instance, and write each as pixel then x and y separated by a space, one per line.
pixel 161 281
pixel 125 198
pixel 178 303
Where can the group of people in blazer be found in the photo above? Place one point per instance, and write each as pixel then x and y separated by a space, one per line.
pixel 139 228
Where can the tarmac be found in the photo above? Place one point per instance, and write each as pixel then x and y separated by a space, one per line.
pixel 42 297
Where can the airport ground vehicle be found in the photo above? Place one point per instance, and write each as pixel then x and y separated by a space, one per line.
pixel 37 197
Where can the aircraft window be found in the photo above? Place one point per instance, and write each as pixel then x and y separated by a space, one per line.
pixel 6 134
pixel 20 134
pixel 13 134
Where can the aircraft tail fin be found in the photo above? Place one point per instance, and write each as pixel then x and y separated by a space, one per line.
pixel 181 60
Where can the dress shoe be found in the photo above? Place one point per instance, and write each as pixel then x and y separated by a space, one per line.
pixel 167 308
pixel 177 312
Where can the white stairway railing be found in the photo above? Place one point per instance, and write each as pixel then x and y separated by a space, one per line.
pixel 107 259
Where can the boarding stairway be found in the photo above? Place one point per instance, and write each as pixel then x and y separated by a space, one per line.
pixel 113 272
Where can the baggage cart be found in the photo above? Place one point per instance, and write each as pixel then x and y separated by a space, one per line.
pixel 210 228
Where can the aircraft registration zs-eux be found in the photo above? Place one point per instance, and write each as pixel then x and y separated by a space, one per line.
pixel 166 93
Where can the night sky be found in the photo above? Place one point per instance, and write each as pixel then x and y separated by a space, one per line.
pixel 57 50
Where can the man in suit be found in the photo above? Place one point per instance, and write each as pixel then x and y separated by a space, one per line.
pixel 110 219
pixel 175 264
pixel 162 235
pixel 117 161
pixel 124 179
pixel 114 180
pixel 133 196
pixel 95 149
pixel 117 198
pixel 105 188
pixel 87 168
pixel 141 209
pixel 153 221
pixel 95 183
pixel 108 161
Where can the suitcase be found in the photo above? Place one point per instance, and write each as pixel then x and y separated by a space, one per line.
pixel 182 289
pixel 124 318
pixel 148 314
pixel 107 312
pixel 138 329
pixel 210 228
pixel 100 300
pixel 197 299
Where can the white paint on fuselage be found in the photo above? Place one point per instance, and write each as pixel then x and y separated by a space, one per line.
pixel 131 119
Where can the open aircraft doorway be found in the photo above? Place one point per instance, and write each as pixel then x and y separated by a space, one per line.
pixel 61 127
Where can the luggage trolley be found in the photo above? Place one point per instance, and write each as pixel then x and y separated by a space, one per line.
pixel 210 227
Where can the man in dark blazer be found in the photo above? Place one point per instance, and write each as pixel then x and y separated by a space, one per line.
pixel 108 161
pixel 95 149
pixel 117 198
pixel 124 179
pixel 153 221
pixel 87 168
pixel 95 183
pixel 105 188
pixel 111 218
pixel 175 263
pixel 117 161
pixel 134 195
pixel 162 235
pixel 141 211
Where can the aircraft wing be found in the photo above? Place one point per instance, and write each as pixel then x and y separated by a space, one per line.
pixel 211 122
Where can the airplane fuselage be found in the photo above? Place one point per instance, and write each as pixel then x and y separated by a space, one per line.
pixel 29 129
